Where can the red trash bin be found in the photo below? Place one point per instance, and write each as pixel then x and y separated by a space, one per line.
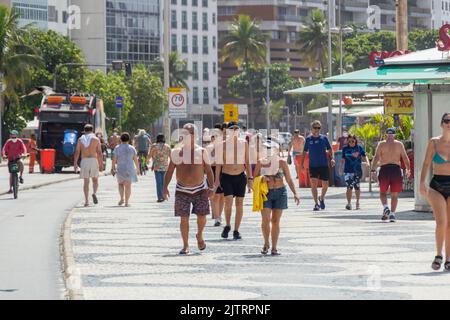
pixel 48 160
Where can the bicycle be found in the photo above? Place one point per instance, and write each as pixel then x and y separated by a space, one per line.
pixel 143 163
pixel 13 168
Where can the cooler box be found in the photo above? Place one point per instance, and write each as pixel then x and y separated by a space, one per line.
pixel 70 142
pixel 48 160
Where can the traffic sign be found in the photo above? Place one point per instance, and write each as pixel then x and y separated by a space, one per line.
pixel 177 103
pixel 119 102
pixel 230 112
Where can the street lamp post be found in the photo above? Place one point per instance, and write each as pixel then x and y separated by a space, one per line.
pixel 166 37
pixel 330 73
pixel 268 87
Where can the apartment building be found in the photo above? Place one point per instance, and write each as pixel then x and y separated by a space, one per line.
pixel 193 33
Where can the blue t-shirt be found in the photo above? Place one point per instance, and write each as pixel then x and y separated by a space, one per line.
pixel 353 158
pixel 317 148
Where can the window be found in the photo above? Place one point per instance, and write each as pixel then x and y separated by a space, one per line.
pixel 184 2
pixel 214 42
pixel 205 45
pixel 184 22
pixel 65 16
pixel 226 11
pixel 174 43
pixel 194 70
pixel 195 95
pixel 214 67
pixel 194 21
pixel 52 14
pixel 205 21
pixel 194 44
pixel 184 44
pixel 205 71
pixel 194 3
pixel 205 3
pixel 174 2
pixel 214 18
pixel 215 93
pixel 174 19
pixel 205 96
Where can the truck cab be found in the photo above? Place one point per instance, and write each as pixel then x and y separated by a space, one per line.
pixel 62 118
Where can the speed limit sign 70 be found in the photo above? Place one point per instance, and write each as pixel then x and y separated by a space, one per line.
pixel 177 102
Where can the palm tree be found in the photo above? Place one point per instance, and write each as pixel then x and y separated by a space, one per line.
pixel 178 72
pixel 313 42
pixel 245 44
pixel 17 60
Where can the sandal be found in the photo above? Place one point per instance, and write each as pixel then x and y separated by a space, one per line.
pixel 436 265
pixel 275 253
pixel 120 202
pixel 265 250
pixel 184 251
pixel 201 244
pixel 94 198
pixel 447 266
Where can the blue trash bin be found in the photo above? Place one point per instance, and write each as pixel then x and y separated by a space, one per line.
pixel 70 142
pixel 338 180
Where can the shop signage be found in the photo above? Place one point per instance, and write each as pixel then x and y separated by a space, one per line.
pixel 398 103
pixel 443 44
pixel 377 57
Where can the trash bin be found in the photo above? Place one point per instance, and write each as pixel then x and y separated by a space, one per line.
pixel 70 142
pixel 48 160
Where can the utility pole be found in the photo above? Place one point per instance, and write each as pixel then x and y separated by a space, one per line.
pixel 401 7
pixel 166 48
pixel 268 88
pixel 330 100
pixel 339 122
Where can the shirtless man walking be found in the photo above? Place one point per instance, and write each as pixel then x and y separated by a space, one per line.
pixel 89 147
pixel 191 163
pixel 389 154
pixel 296 146
pixel 231 177
pixel 113 141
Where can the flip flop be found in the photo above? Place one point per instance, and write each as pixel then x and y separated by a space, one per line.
pixel 201 244
pixel 94 198
pixel 184 251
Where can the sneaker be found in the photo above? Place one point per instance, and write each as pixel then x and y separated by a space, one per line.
pixel 386 213
pixel 21 180
pixel 225 232
pixel 322 203
pixel 392 217
pixel 348 206
pixel 236 235
pixel 316 207
pixel 217 223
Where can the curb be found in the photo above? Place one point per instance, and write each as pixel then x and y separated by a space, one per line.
pixel 70 275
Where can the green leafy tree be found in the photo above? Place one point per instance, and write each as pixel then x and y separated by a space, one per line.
pixel 422 39
pixel 146 93
pixel 17 62
pixel 280 81
pixel 313 42
pixel 245 45
pixel 368 134
pixel 178 71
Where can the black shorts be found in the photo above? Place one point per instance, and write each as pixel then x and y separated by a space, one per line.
pixel 441 184
pixel 219 189
pixel 233 185
pixel 321 173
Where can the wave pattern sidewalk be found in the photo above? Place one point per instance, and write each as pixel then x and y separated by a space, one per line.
pixel 131 253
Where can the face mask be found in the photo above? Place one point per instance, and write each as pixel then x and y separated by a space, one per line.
pixel 345 134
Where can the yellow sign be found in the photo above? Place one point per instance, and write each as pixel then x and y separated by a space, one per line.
pixel 230 112
pixel 398 103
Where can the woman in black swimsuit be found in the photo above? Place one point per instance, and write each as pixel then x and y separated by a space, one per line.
pixel 438 154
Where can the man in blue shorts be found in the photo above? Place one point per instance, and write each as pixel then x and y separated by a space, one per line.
pixel 317 145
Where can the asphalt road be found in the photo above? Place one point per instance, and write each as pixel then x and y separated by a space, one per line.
pixel 30 228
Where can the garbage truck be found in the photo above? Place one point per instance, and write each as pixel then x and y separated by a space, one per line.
pixel 62 118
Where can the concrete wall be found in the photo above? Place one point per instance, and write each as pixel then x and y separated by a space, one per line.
pixel 90 33
pixel 429 106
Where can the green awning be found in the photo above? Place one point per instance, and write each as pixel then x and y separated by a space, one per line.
pixel 349 88
pixel 420 74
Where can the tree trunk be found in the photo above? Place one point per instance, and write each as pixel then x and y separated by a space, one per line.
pixel 252 107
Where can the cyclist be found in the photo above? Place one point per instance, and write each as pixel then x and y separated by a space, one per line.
pixel 142 144
pixel 15 149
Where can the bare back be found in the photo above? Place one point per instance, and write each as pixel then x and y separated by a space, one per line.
pixel 234 156
pixel 390 152
pixel 190 169
pixel 92 150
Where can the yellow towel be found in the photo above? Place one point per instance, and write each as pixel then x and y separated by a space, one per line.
pixel 260 190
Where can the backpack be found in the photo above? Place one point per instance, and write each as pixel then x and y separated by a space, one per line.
pixel 142 142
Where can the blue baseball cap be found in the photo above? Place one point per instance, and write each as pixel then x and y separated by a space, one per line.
pixel 390 131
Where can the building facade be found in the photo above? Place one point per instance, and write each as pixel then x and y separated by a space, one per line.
pixel 193 34
pixel 440 12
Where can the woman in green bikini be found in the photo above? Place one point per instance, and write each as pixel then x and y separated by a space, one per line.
pixel 438 193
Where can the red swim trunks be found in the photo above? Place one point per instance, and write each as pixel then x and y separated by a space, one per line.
pixel 390 175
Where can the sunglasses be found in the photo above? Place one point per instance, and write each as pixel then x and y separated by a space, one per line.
pixel 351 141
pixel 446 121
pixel 317 128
